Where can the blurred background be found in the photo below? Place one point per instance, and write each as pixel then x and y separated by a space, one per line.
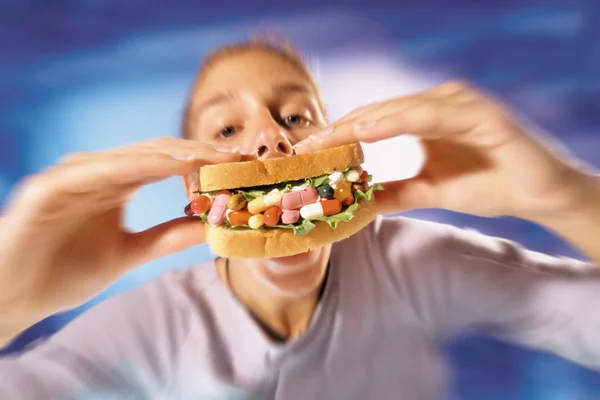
pixel 85 75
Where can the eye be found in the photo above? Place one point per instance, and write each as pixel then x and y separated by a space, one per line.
pixel 227 132
pixel 296 121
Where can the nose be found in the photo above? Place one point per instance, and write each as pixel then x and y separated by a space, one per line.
pixel 272 142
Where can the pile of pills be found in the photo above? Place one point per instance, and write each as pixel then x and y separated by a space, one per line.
pixel 302 202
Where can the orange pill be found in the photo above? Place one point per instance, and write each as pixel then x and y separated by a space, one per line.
pixel 342 190
pixel 201 204
pixel 331 207
pixel 240 217
pixel 272 215
pixel 364 176
pixel 348 200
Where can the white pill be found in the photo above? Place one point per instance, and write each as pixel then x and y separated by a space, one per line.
pixel 273 198
pixel 311 211
pixel 336 177
pixel 256 221
pixel 352 176
pixel 298 188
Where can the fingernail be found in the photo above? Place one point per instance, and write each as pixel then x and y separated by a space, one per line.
pixel 364 125
pixel 183 157
pixel 324 132
pixel 226 149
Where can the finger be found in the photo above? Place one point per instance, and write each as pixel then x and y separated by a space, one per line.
pixel 108 173
pixel 426 118
pixel 406 195
pixel 170 146
pixel 162 240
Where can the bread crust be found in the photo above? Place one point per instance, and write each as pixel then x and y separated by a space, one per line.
pixel 276 170
pixel 271 243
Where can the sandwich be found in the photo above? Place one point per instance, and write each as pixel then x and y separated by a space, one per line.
pixel 284 206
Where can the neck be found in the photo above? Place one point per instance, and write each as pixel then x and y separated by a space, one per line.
pixel 282 315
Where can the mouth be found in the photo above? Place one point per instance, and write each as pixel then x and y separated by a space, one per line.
pixel 289 264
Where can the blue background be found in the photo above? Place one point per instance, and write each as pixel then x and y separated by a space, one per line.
pixel 83 75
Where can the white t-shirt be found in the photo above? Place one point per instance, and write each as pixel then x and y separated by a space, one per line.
pixel 395 292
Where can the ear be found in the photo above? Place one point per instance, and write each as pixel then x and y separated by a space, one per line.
pixel 191 182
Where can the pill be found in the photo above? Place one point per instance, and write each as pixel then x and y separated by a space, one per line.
pixel 336 177
pixel 290 216
pixel 325 191
pixel 240 217
pixel 295 200
pixel 273 198
pixel 256 221
pixel 188 210
pixel 216 215
pixel 342 190
pixel 298 188
pixel 348 200
pixel 312 211
pixel 358 169
pixel 272 215
pixel 358 186
pixel 200 204
pixel 364 176
pixel 352 176
pixel 257 205
pixel 331 207
pixel 237 202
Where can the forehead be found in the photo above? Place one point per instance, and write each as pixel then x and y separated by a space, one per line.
pixel 252 70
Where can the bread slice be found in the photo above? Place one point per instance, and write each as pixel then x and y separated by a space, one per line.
pixel 276 170
pixel 271 243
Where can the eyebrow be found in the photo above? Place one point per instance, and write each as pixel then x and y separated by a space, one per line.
pixel 223 97
pixel 291 87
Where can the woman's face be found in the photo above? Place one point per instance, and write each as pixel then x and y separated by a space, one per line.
pixel 261 104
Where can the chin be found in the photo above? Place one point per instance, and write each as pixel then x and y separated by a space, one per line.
pixel 294 276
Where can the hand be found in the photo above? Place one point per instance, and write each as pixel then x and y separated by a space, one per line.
pixel 61 239
pixel 480 160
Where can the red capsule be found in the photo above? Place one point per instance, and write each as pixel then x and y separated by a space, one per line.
pixel 272 215
pixel 364 176
pixel 348 200
pixel 331 207
pixel 200 205
pixel 358 186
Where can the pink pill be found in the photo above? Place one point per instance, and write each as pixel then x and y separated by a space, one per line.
pixel 290 216
pixel 216 215
pixel 295 200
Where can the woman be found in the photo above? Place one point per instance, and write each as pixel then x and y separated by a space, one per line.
pixel 362 319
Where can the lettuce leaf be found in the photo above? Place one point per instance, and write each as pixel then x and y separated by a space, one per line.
pixel 320 181
pixel 299 230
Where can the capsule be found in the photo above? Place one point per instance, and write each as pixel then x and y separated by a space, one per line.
pixel 352 176
pixel 295 200
pixel 240 217
pixel 272 216
pixel 324 208
pixel 260 204
pixel 364 176
pixel 256 221
pixel 199 205
pixel 237 202
pixel 336 177
pixel 216 215
pixel 342 190
pixel 290 216
pixel 358 187
pixel 325 191
pixel 331 207
pixel 348 200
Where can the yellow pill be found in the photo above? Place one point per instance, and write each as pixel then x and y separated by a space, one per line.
pixel 256 221
pixel 257 205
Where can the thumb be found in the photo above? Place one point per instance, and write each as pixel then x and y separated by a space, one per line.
pixel 406 195
pixel 163 240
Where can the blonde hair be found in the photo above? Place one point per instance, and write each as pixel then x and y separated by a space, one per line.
pixel 269 43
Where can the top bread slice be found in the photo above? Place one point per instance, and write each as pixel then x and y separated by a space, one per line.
pixel 277 170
